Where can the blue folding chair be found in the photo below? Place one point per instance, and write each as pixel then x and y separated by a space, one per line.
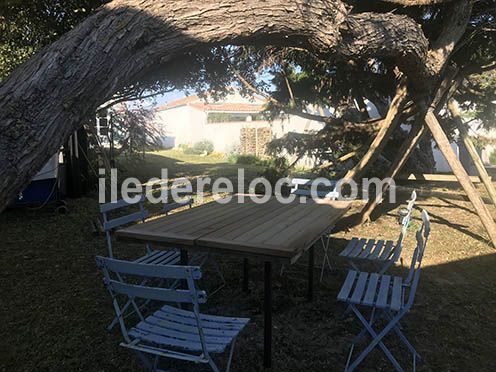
pixel 303 187
pixel 168 332
pixel 158 257
pixel 382 253
pixel 387 297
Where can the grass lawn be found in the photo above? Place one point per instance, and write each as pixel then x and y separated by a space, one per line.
pixel 179 164
pixel 54 309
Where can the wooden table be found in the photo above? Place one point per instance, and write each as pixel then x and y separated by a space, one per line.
pixel 269 232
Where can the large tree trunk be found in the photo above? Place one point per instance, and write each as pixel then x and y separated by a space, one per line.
pixel 48 97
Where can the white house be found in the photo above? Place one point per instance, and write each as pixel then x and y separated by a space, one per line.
pixel 192 119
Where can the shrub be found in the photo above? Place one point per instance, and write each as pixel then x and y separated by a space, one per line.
pixel 189 151
pixel 203 147
pixel 492 158
pixel 183 147
pixel 247 159
pixel 274 169
pixel 199 148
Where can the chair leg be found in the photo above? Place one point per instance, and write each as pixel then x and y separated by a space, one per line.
pixel 126 306
pixel 148 364
pixel 217 269
pixel 377 340
pixel 358 338
pixel 231 352
pixel 212 365
pixel 155 364
pixel 353 265
pixel 326 261
pixel 348 360
pixel 398 330
pixel 385 267
pixel 221 276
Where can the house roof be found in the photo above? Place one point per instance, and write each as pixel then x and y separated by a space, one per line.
pixel 178 102
pixel 198 103
pixel 229 107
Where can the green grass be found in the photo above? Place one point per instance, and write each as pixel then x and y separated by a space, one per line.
pixel 54 309
pixel 180 164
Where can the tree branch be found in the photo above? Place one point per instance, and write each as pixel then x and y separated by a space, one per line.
pixel 44 100
pixel 131 97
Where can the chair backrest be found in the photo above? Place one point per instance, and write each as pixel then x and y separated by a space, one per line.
pixel 111 223
pixel 120 278
pixel 405 222
pixel 422 236
pixel 303 187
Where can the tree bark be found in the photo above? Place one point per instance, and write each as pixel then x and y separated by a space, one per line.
pixel 417 2
pixel 48 97
pixel 390 123
pixel 453 108
pixel 456 20
pixel 460 173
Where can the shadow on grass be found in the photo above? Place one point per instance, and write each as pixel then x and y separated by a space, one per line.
pixel 55 309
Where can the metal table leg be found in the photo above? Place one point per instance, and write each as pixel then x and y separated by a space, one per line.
pixel 311 263
pixel 268 315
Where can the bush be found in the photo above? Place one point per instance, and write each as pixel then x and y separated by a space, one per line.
pixel 247 159
pixel 492 158
pixel 199 148
pixel 203 147
pixel 274 169
pixel 189 151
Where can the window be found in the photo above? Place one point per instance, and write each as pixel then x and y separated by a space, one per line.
pixel 224 117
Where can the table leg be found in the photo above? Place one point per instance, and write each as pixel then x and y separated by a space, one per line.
pixel 246 275
pixel 311 263
pixel 268 315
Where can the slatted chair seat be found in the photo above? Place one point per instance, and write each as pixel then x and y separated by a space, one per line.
pixel 370 249
pixel 385 253
pixel 177 328
pixel 160 258
pixel 372 289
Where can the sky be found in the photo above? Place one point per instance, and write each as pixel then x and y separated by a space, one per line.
pixel 167 97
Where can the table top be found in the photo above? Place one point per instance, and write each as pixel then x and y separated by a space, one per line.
pixel 271 230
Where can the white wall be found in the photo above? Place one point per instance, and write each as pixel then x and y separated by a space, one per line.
pixel 441 163
pixel 183 123
pixel 227 136
pixel 188 126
